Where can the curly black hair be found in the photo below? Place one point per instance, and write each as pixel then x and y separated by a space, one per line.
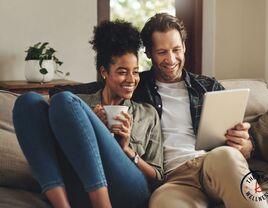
pixel 112 39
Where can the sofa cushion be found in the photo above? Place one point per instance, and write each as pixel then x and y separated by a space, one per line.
pixel 7 100
pixel 14 169
pixel 258 98
pixel 260 132
pixel 15 198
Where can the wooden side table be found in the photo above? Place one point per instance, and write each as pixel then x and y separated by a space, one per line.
pixel 22 86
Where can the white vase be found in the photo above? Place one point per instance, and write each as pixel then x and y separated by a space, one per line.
pixel 33 74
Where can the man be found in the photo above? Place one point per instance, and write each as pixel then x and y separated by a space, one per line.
pixel 193 178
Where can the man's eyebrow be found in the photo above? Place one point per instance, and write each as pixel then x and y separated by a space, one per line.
pixel 161 49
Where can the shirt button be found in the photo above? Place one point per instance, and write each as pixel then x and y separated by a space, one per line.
pixel 159 106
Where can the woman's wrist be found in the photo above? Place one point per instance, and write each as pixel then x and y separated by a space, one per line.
pixel 129 152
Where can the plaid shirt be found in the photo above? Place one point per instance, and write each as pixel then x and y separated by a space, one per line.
pixel 197 86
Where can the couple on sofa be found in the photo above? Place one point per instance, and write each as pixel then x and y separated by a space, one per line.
pixel 142 157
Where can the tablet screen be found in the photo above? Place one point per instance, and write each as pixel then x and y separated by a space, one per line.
pixel 221 111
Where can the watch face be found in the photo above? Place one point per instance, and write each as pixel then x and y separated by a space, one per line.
pixel 136 159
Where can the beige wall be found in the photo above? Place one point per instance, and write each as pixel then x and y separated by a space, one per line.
pixel 66 25
pixel 235 43
pixel 236 46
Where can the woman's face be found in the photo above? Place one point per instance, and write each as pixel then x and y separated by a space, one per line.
pixel 122 77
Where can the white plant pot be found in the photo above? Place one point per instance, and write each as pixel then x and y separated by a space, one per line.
pixel 33 74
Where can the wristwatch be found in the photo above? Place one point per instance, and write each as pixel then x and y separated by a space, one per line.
pixel 136 158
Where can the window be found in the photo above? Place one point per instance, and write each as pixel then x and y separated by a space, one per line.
pixel 138 12
pixel 189 10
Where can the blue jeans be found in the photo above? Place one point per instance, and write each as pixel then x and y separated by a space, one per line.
pixel 89 147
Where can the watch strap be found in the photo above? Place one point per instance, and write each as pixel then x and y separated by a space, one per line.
pixel 135 159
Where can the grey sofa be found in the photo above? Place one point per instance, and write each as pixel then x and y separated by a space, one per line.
pixel 18 188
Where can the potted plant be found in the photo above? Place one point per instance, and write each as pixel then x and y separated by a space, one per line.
pixel 41 63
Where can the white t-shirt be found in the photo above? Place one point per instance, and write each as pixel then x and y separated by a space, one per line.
pixel 179 138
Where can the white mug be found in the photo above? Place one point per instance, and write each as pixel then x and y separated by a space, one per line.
pixel 112 111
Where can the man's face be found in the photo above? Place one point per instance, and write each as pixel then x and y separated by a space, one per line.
pixel 167 55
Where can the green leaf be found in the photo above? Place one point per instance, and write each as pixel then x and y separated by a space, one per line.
pixel 59 71
pixel 40 62
pixel 43 45
pixel 33 54
pixel 59 62
pixel 37 44
pixel 50 51
pixel 43 71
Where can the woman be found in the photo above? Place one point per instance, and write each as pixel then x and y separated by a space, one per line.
pixel 107 167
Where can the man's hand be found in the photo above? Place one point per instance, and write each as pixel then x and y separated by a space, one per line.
pixel 238 137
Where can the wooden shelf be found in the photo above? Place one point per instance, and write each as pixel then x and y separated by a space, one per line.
pixel 22 86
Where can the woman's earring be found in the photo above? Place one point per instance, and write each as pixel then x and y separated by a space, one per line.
pixel 104 77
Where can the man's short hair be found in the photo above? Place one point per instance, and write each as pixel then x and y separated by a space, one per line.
pixel 161 22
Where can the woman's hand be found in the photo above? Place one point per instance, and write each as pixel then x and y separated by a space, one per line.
pixel 100 112
pixel 123 130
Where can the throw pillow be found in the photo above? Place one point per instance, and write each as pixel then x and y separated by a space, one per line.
pixel 14 169
pixel 7 100
pixel 260 133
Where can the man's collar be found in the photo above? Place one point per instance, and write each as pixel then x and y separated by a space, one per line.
pixel 187 77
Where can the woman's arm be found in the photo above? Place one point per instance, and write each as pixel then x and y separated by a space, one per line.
pixel 145 168
pixel 123 132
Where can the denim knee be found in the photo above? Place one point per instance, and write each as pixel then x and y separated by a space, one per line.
pixel 61 103
pixel 58 100
pixel 27 102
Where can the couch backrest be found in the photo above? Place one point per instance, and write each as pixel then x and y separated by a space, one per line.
pixel 14 169
pixel 7 100
pixel 257 103
pixel 258 98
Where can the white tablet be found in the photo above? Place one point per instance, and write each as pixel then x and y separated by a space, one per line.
pixel 221 111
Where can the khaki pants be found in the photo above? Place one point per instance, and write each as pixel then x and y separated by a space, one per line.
pixel 214 177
